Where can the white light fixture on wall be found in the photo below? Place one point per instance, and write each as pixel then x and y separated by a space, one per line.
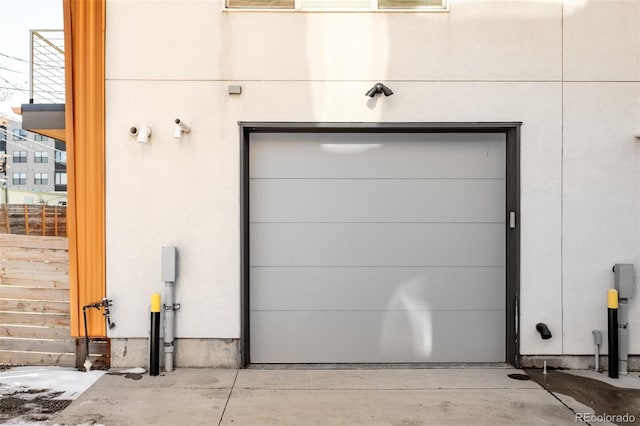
pixel 181 127
pixel 142 133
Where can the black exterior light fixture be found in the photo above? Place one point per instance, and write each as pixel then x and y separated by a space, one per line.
pixel 379 88
pixel 544 331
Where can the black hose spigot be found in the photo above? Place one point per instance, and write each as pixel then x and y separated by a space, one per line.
pixel 544 331
pixel 106 303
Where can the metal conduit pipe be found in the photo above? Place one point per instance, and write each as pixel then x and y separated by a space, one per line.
pixel 104 303
pixel 597 339
pixel 623 336
pixel 169 260
pixel 625 284
pixel 168 326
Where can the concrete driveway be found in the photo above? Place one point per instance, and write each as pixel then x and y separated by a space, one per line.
pixel 327 397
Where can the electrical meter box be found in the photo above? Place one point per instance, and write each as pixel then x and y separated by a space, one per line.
pixel 624 280
pixel 169 260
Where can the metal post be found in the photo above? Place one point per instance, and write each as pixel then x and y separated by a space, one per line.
pixel 612 331
pixel 597 339
pixel 154 343
pixel 87 360
pixel 31 51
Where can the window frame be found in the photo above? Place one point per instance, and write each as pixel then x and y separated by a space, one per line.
pixel 19 134
pixel 41 178
pixel 58 178
pixel 373 8
pixel 60 156
pixel 39 138
pixel 21 180
pixel 22 157
pixel 42 158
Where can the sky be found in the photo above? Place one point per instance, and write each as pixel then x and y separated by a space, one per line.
pixel 17 17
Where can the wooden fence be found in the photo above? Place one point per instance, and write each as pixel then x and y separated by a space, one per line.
pixel 33 219
pixel 34 301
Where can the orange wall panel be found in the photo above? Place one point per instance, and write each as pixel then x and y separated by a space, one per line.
pixel 84 30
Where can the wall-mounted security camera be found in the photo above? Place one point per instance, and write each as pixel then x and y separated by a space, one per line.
pixel 142 133
pixel 181 127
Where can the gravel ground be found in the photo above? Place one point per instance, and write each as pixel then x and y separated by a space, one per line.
pixel 31 396
pixel 31 405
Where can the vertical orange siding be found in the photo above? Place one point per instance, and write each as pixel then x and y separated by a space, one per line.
pixel 84 28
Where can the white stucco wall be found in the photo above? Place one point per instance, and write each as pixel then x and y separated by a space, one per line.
pixel 570 73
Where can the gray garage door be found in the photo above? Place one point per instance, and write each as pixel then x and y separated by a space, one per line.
pixel 376 248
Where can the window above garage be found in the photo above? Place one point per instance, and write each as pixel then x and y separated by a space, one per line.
pixel 339 5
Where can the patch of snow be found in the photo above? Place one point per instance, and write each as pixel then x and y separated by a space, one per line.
pixel 59 379
pixel 43 423
pixel 134 370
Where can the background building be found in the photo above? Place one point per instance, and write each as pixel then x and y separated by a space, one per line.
pixel 35 165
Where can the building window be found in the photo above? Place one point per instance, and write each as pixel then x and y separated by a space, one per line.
pixel 41 178
pixel 19 156
pixel 257 4
pixel 39 137
pixel 363 5
pixel 19 134
pixel 412 4
pixel 61 157
pixel 41 157
pixel 19 178
pixel 61 178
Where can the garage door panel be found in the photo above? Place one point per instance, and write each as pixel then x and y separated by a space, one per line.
pixel 374 336
pixel 392 289
pixel 291 155
pixel 377 200
pixel 375 244
pixel 377 247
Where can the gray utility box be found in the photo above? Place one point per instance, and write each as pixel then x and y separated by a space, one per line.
pixel 169 257
pixel 624 280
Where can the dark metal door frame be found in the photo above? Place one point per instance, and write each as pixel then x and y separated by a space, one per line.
pixel 511 130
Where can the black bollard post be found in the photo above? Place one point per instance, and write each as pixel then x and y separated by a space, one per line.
pixel 612 330
pixel 154 343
